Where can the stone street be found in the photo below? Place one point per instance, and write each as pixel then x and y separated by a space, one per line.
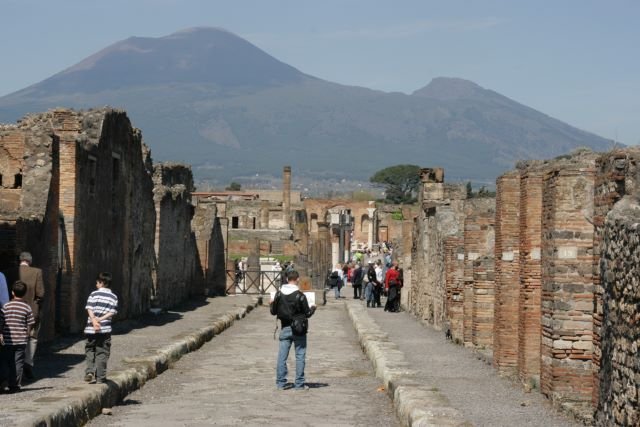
pixel 231 381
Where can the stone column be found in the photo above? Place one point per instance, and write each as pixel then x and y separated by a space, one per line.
pixel 371 212
pixel 252 276
pixel 264 214
pixel 286 197
pixel 324 254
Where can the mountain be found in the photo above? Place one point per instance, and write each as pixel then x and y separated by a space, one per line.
pixel 210 98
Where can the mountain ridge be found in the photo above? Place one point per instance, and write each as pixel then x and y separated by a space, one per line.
pixel 208 97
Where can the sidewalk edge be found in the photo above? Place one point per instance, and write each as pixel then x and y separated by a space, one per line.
pixel 80 403
pixel 416 404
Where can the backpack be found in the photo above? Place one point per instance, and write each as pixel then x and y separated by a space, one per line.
pixel 290 308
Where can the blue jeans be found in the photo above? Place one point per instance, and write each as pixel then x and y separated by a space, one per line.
pixel 336 291
pixel 368 292
pixel 286 339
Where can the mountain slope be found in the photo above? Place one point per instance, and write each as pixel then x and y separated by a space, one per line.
pixel 208 97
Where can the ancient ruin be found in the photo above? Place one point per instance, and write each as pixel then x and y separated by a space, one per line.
pixel 560 295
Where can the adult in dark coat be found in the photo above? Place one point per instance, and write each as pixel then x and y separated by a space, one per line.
pixel 32 277
pixel 357 277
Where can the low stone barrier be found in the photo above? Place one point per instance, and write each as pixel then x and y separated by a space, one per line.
pixel 76 405
pixel 417 404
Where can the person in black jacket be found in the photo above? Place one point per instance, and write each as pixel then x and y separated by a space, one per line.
pixel 289 302
pixel 356 279
pixel 369 291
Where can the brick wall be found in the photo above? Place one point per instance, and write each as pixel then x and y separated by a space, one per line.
pixel 507 270
pixel 479 241
pixel 567 282
pixel 530 274
pixel 454 264
pixel 483 301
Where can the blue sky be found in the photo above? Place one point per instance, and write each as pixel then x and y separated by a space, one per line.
pixel 576 60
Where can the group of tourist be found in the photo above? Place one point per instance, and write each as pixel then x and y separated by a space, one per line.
pixel 20 320
pixel 379 278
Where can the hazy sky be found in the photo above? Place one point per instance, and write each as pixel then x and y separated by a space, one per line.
pixel 576 60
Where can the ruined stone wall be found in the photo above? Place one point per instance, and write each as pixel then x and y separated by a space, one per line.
pixel 530 298
pixel 567 282
pixel 107 208
pixel 29 170
pixel 363 213
pixel 616 176
pixel 507 269
pixel 619 398
pixel 441 216
pixel 479 241
pixel 179 273
pixel 210 243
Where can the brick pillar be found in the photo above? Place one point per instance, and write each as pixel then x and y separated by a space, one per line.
pixel 507 265
pixel 567 284
pixel 471 254
pixel 483 302
pixel 530 276
pixel 454 264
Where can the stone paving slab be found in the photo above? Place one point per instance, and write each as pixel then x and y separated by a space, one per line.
pixel 141 349
pixel 230 381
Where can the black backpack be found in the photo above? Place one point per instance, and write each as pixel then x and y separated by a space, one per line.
pixel 290 308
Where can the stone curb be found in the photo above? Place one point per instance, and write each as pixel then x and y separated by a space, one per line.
pixel 417 404
pixel 76 405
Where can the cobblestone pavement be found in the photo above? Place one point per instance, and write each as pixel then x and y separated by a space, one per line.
pixel 472 386
pixel 231 381
pixel 61 366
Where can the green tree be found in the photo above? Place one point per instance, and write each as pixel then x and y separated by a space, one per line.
pixel 400 182
pixel 469 190
pixel 234 186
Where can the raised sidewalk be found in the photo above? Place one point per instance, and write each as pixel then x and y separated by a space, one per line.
pixel 141 349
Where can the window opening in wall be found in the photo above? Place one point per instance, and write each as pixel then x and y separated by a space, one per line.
pixel 17 180
pixel 0 180
pixel 234 222
pixel 93 168
pixel 253 223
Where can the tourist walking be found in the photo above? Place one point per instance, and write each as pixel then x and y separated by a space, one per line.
pixel 370 287
pixel 32 278
pixel 391 283
pixel 377 289
pixel 335 281
pixel 356 280
pixel 292 309
pixel 101 306
pixel 16 320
